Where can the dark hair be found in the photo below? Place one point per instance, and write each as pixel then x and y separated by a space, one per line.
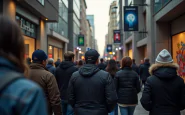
pixel 133 61
pixel 80 63
pixel 101 60
pixel 69 56
pixel 126 62
pixel 147 60
pixel 12 43
pixel 112 67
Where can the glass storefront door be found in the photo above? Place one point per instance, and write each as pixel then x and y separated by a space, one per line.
pixel 54 52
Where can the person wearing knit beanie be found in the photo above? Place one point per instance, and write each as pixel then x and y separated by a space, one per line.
pixel 164 92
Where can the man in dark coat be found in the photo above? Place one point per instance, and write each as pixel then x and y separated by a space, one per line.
pixel 63 74
pixel 144 71
pixel 164 92
pixel 91 90
pixel 102 65
pixel 134 66
pixel 57 63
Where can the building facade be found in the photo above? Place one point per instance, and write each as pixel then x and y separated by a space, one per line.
pixel 58 33
pixel 73 24
pixel 83 24
pixel 161 26
pixel 32 16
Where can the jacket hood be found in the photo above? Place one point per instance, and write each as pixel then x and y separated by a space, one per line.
pixel 88 70
pixel 66 64
pixel 165 71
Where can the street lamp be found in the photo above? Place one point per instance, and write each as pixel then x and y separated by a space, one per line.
pixel 116 49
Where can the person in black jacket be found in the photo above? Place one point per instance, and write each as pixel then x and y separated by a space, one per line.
pixel 91 90
pixel 135 67
pixel 164 89
pixel 63 74
pixel 128 86
pixel 144 71
pixel 57 63
pixel 102 65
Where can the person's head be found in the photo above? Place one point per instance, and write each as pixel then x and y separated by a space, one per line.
pixel 101 60
pixel 69 56
pixel 112 67
pixel 141 61
pixel 133 61
pixel 51 61
pixel 58 60
pixel 91 57
pixel 117 62
pixel 12 43
pixel 164 57
pixel 126 62
pixel 147 60
pixel 80 63
pixel 40 57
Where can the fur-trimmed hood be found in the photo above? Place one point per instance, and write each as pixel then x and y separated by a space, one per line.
pixel 164 70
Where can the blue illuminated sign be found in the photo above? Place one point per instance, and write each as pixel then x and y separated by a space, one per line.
pixel 130 18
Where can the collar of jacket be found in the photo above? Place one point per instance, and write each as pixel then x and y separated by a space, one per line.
pixel 37 66
pixel 4 63
pixel 127 68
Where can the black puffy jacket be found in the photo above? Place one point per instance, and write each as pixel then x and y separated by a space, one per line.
pixel 144 71
pixel 164 91
pixel 135 68
pixel 63 74
pixel 92 91
pixel 127 85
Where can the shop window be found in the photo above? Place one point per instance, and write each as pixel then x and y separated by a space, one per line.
pixel 54 52
pixel 41 2
pixel 29 46
pixel 178 50
pixel 130 53
pixel 50 51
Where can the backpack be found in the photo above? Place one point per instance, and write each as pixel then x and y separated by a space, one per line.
pixel 8 78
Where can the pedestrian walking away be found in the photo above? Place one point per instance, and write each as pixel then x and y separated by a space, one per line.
pixel 112 69
pixel 164 92
pixel 57 63
pixel 135 67
pixel 91 90
pixel 102 65
pixel 63 74
pixel 50 66
pixel 128 86
pixel 18 96
pixel 39 74
pixel 144 71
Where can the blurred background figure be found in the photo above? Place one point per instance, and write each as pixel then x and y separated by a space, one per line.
pixel 50 66
pixel 28 60
pixel 102 65
pixel 118 64
pixel 18 96
pixel 128 86
pixel 112 69
pixel 80 63
pixel 135 67
pixel 57 63
pixel 144 71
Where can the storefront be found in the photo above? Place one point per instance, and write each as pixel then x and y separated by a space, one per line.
pixel 29 30
pixel 129 50
pixel 55 48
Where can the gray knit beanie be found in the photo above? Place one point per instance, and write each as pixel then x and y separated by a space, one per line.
pixel 164 57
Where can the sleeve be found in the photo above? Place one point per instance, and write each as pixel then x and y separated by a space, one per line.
pixel 116 79
pixel 54 95
pixel 182 101
pixel 33 103
pixel 138 85
pixel 146 101
pixel 110 93
pixel 71 95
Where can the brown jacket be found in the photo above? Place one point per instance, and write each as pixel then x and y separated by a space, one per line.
pixel 47 81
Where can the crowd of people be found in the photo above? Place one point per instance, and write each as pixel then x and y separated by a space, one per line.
pixel 44 87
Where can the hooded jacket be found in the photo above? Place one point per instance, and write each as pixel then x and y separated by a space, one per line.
pixel 92 91
pixel 47 81
pixel 51 68
pixel 21 97
pixel 164 91
pixel 144 71
pixel 63 74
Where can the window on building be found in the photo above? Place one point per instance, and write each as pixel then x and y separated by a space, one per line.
pixel 41 1
pixel 159 4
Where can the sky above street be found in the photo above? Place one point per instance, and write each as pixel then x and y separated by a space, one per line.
pixel 100 9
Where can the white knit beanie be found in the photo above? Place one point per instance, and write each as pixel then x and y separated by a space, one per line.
pixel 164 57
